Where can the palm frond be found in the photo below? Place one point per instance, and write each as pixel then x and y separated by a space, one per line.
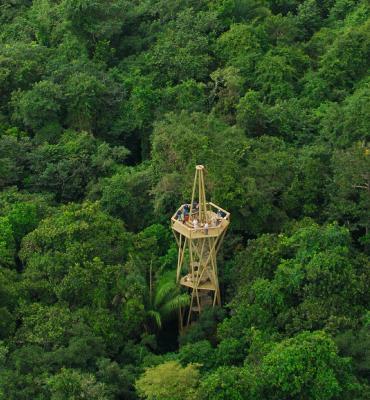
pixel 164 286
pixel 156 317
pixel 162 291
pixel 173 304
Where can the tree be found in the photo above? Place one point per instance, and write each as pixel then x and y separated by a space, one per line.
pixel 68 248
pixel 346 122
pixel 14 154
pixel 118 380
pixel 205 328
pixel 7 243
pixel 278 73
pixel 230 383
pixel 350 190
pixel 356 345
pixel 307 367
pixel 22 64
pixel 267 175
pixel 201 353
pixel 163 299
pixel 39 109
pixel 308 18
pixel 181 51
pixel 126 195
pixel 338 77
pixel 291 120
pixel 240 10
pixel 23 210
pixel 137 111
pixel 72 384
pixel 88 97
pixel 251 115
pixel 226 91
pixel 310 279
pixel 281 29
pixel 188 95
pixel 9 296
pixel 308 194
pixel 241 47
pixel 91 20
pixel 169 381
pixel 66 168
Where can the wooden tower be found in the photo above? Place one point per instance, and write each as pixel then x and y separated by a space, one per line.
pixel 199 228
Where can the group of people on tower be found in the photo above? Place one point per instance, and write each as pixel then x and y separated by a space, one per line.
pixel 189 215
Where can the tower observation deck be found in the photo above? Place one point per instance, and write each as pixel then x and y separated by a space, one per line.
pixel 199 228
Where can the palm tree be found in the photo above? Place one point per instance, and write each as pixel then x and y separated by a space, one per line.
pixel 163 299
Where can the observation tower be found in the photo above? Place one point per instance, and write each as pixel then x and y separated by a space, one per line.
pixel 199 229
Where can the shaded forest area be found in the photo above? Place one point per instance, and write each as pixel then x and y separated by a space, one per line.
pixel 106 106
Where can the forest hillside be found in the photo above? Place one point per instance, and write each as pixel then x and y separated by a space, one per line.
pixel 106 106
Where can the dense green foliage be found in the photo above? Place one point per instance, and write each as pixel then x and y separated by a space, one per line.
pixel 105 108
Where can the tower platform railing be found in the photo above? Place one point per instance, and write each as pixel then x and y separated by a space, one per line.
pixel 217 218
